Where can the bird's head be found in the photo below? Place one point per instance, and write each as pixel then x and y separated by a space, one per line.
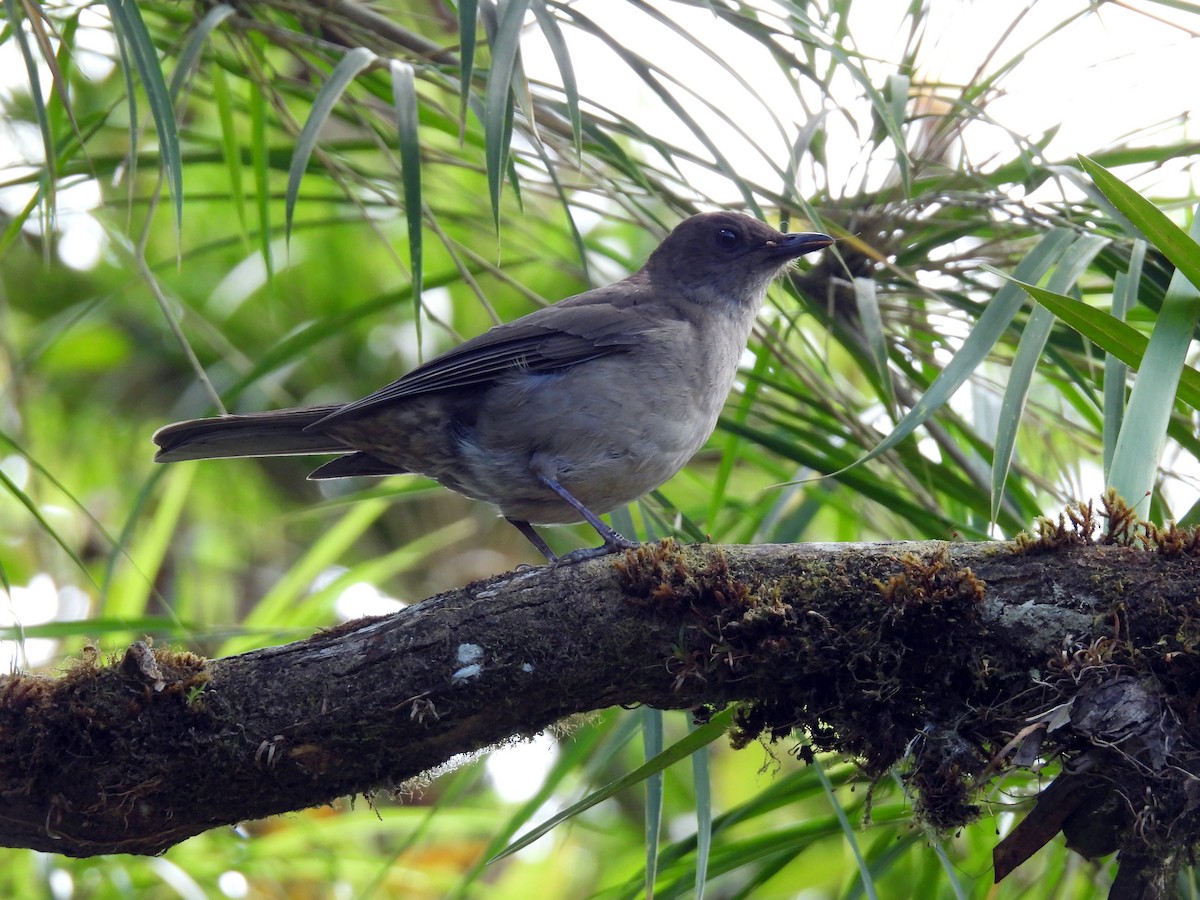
pixel 723 256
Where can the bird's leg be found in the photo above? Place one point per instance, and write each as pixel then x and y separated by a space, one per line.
pixel 613 542
pixel 533 537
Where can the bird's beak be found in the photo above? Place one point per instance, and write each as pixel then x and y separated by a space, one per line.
pixel 793 245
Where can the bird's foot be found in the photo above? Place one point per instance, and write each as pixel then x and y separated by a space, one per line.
pixel 613 543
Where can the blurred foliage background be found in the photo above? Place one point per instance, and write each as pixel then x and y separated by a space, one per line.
pixel 208 206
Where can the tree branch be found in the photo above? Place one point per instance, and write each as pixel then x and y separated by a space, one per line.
pixel 940 655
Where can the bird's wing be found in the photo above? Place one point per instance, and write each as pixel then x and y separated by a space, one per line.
pixel 571 332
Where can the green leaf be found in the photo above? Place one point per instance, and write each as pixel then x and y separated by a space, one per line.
pixel 896 107
pixel 314 607
pixel 331 91
pixel 1073 264
pixel 94 626
pixel 127 73
pixel 39 104
pixel 25 500
pixel 128 590
pixel 1173 242
pixel 562 58
pixel 848 833
pixel 884 104
pixel 588 751
pixel 793 789
pixel 468 11
pixel 404 96
pixel 1143 432
pixel 14 228
pixel 296 581
pixel 230 149
pixel 702 779
pixel 291 348
pixel 652 746
pixel 702 736
pixel 646 71
pixel 871 320
pixel 191 50
pixel 1125 287
pixel 127 20
pixel 1111 335
pixel 930 522
pixel 261 160
pixel 994 321
pixel 1148 415
pixel 498 101
pixel 60 64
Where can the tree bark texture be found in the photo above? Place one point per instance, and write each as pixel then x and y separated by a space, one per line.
pixel 956 661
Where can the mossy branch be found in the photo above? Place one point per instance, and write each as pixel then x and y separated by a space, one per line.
pixel 947 658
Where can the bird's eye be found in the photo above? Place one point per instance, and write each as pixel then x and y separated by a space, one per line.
pixel 727 239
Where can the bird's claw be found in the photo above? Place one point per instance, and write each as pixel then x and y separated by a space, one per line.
pixel 613 543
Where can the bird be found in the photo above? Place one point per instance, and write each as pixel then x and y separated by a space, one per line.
pixel 563 414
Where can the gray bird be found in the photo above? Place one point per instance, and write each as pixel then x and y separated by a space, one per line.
pixel 563 414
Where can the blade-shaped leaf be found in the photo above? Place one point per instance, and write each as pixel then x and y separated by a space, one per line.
pixel 871 320
pixel 260 159
pixel 230 148
pixel 498 102
pixel 296 582
pixel 646 71
pixel 1029 351
pixel 96 626
pixel 652 745
pixel 702 780
pixel 130 588
pixel 588 751
pixel 848 832
pixel 991 325
pixel 127 20
pixel 25 500
pixel 702 736
pixel 39 102
pixel 1173 242
pixel 1144 431
pixel 468 11
pixel 1111 335
pixel 404 96
pixel 562 58
pixel 191 50
pixel 331 91
pixel 1115 371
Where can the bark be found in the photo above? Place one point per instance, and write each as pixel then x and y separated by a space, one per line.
pixel 958 660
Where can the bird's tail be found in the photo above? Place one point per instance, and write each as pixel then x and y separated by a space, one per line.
pixel 277 433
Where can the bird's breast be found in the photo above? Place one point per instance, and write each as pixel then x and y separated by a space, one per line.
pixel 609 430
